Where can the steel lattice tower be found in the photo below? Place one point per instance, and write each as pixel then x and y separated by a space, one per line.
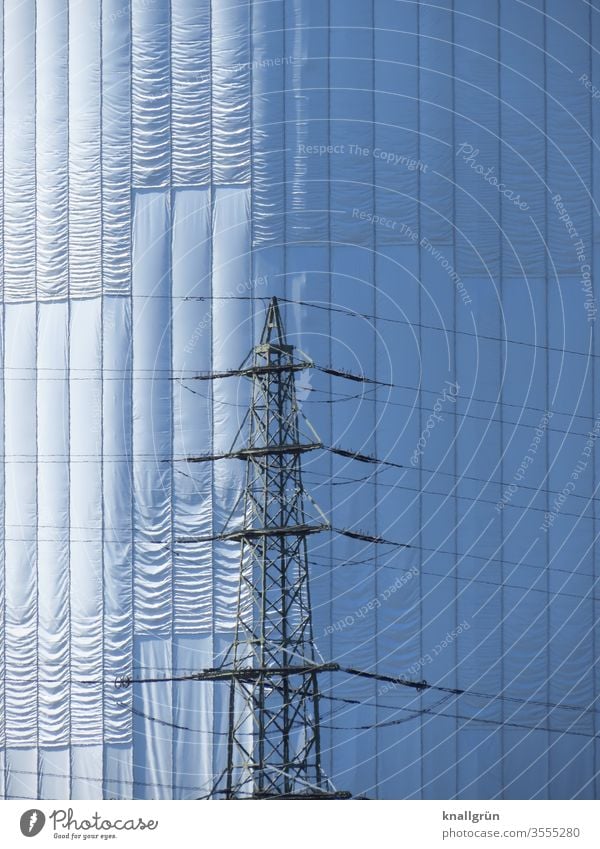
pixel 273 746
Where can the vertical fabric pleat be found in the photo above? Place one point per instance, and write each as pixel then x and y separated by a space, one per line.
pixel 476 129
pixel 398 576
pixel 52 166
pixel 86 777
pixel 20 525
pixel 19 196
pixel 116 147
pixel 191 84
pixel 55 772
pixel 151 93
pixel 307 280
pixel 117 542
pixel 306 135
pixel 2 477
pixel 351 107
pixel 54 652
pixel 86 551
pixel 270 59
pixel 523 147
pixel 568 126
pixel 21 771
pixel 193 706
pixel 153 775
pixel 230 88
pixel 570 651
pixel 192 482
pixel 435 120
pixel 231 343
pixel 152 492
pixel 152 413
pixel 395 147
pixel 85 201
pixel 353 424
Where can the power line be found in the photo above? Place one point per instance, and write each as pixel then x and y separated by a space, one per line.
pixel 369 539
pixel 448 330
pixel 403 682
pixel 461 555
pixel 102 780
pixel 365 458
pixel 487 481
pixel 338 481
pixel 357 535
pixel 361 315
pixel 178 727
pixel 30 459
pixel 219 674
pixel 368 703
pixel 472 499
pixel 174 725
pixel 496 402
pixel 344 396
pixel 104 375
pixel 505 585
pixel 454 691
pixel 448 411
pixel 468 719
pixel 239 533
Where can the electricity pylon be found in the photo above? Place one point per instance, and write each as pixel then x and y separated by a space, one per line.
pixel 273 740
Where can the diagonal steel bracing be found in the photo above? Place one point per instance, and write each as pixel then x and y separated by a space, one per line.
pixel 273 742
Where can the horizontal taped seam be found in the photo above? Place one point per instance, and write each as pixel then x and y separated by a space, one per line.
pixel 63 298
pixel 148 188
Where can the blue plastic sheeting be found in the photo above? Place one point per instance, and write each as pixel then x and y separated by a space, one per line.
pixel 395 150
pixel 436 120
pixel 417 183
